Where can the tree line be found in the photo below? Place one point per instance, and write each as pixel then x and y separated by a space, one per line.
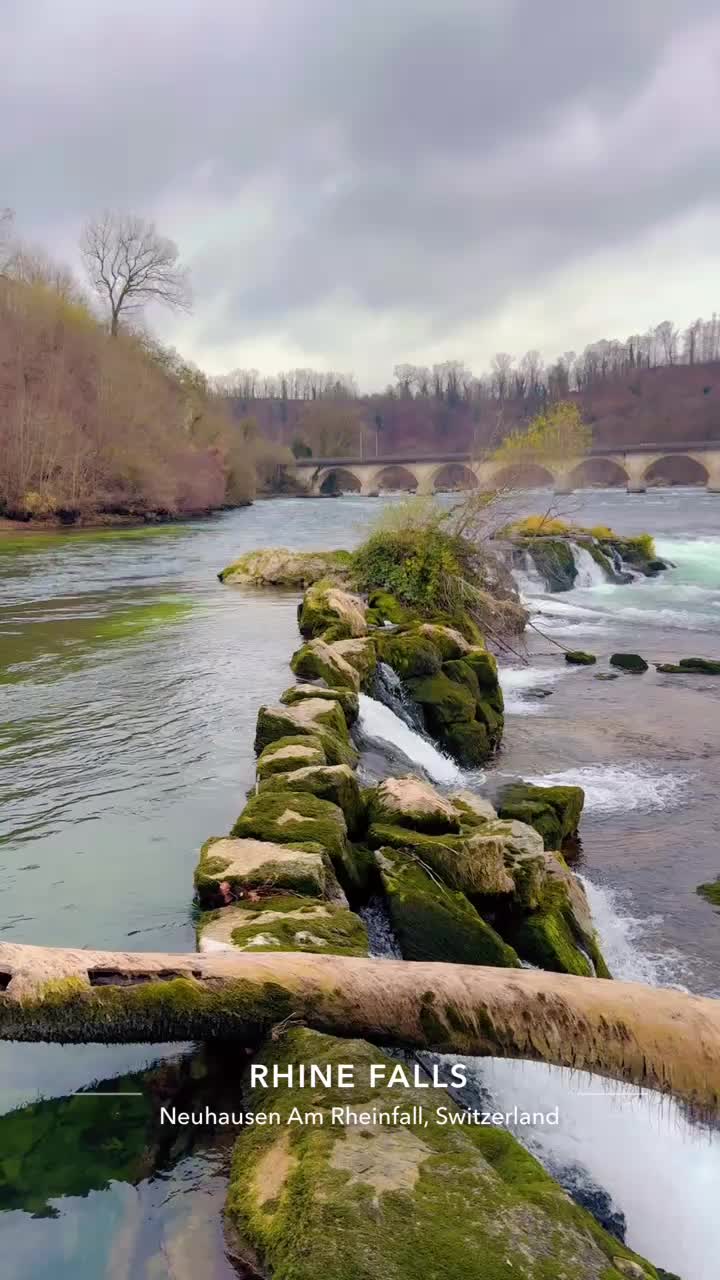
pixel 97 418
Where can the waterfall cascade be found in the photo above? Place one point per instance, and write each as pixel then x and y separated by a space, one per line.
pixel 379 723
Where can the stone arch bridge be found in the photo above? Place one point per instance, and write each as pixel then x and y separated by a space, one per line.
pixel 635 469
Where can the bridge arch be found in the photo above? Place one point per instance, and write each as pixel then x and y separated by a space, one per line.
pixel 523 475
pixel 457 476
pixel 393 476
pixel 338 480
pixel 600 471
pixel 677 468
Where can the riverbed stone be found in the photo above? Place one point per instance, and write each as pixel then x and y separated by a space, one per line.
pixel 292 752
pixel 286 817
pixel 410 802
pixel 336 783
pixel 578 658
pixel 347 698
pixel 691 666
pixel 326 607
pixel 349 1199
pixel 319 660
pixel 280 567
pixel 283 923
pixel 317 718
pixel 631 662
pixel 553 811
pixel 433 922
pixel 230 868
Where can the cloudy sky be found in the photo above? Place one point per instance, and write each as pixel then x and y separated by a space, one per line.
pixel 356 183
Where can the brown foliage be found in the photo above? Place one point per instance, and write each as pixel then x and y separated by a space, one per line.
pixel 89 425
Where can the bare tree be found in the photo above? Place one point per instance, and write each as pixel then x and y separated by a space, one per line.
pixel 129 265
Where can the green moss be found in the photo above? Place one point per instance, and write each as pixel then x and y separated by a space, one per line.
pixel 337 932
pixel 468 743
pixel 286 817
pixel 347 698
pixel 484 665
pixel 401 1202
pixel 710 892
pixel 577 658
pixel 329 727
pixel 553 811
pixel 462 673
pixel 545 938
pixel 218 866
pixel 278 567
pixel 388 609
pixel 409 654
pixel 432 922
pixel 553 558
pixel 315 661
pixel 468 862
pixel 408 802
pixel 444 701
pixel 336 783
pixel 690 666
pixel 292 752
pixel 361 653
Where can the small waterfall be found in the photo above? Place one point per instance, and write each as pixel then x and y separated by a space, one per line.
pixel 530 581
pixel 378 723
pixel 389 690
pixel 589 572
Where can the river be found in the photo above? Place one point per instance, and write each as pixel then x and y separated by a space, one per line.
pixel 130 685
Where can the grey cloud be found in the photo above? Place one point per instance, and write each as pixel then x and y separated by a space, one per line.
pixel 428 157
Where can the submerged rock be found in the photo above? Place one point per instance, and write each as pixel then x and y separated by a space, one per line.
pixel 432 922
pixel 691 666
pixel 279 567
pixel 631 662
pixel 580 659
pixel 710 892
pixel 347 1195
pixel 553 811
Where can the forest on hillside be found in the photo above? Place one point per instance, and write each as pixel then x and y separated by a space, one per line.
pixel 661 386
pixel 98 421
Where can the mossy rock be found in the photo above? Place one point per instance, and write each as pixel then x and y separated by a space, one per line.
pixel 409 654
pixel 361 654
pixel 293 752
pixel 326 607
pixel 559 934
pixel 318 660
pixel 692 666
pixel 230 868
pixel 449 642
pixel 473 863
pixel 347 698
pixel 553 558
pixel 409 802
pixel 284 923
pixel 460 671
pixel 432 922
pixel 348 1200
pixel 286 817
pixel 443 700
pixel 631 662
pixel 462 623
pixel 524 858
pixel 553 811
pixel 388 608
pixel 279 567
pixel 469 743
pixel 336 783
pixel 493 720
pixel 473 810
pixel 320 719
pixel 578 658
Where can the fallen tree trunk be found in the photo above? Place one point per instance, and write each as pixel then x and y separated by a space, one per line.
pixel 659 1038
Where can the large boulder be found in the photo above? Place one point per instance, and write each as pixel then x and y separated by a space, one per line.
pixel 558 934
pixel 449 642
pixel 289 817
pixel 279 567
pixel 409 802
pixel 327 608
pixel 336 783
pixel 321 719
pixel 433 922
pixel 229 869
pixel 553 811
pixel 347 698
pixel 283 923
pixel 361 653
pixel 343 1194
pixel 292 752
pixel 409 653
pixel 318 660
pixel 631 662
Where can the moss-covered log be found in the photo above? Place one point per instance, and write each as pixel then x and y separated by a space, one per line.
pixel 660 1038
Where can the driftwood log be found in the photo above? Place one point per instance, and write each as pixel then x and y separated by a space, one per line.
pixel 663 1039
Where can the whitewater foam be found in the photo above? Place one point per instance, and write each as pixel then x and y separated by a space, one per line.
pixel 517 684
pixel 379 724
pixel 613 789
